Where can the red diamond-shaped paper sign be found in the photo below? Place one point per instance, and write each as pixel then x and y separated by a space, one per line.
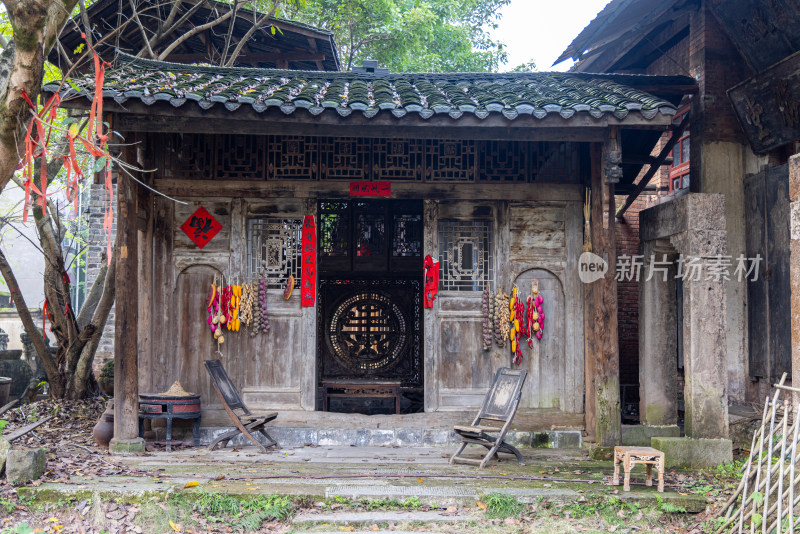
pixel 201 227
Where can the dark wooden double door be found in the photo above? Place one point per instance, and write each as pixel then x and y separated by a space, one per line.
pixel 369 323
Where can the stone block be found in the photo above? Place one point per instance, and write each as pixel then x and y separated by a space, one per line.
pixel 126 446
pixel 409 437
pixel 519 438
pixel 337 437
pixel 640 435
pixel 437 438
pixel 694 453
pixel 794 178
pixel 568 439
pixel 542 440
pixel 381 437
pixel 24 465
pixel 5 447
pixel 794 220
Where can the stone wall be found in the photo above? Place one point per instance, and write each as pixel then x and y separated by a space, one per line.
pixel 794 244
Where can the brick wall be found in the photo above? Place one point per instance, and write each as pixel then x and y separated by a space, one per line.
pixel 627 231
pixel 94 253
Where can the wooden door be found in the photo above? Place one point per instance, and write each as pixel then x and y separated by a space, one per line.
pixel 192 341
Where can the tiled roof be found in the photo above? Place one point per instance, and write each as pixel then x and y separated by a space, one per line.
pixel 455 94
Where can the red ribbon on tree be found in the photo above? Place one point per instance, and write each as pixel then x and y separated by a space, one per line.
pixel 431 281
pixel 308 274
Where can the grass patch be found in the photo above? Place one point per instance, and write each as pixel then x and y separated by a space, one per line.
pixel 239 513
pixel 501 506
pixel 390 504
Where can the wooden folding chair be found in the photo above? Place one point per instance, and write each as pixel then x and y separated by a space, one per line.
pixel 246 423
pixel 490 426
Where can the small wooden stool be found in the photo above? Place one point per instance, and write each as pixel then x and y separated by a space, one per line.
pixel 629 456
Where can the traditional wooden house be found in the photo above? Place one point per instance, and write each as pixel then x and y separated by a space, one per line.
pixel 488 174
pixel 744 127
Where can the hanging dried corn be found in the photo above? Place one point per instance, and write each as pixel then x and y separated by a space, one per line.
pixel 256 309
pixel 502 320
pixel 487 334
pixel 246 306
pixel 492 311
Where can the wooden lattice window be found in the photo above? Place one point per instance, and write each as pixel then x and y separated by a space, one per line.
pixel 274 249
pixel 450 160
pixel 466 261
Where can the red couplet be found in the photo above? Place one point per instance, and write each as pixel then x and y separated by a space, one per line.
pixel 370 189
pixel 308 276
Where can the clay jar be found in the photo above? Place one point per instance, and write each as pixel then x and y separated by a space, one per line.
pixel 104 429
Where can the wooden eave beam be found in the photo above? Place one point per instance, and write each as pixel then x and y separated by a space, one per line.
pixel 677 132
pixel 135 116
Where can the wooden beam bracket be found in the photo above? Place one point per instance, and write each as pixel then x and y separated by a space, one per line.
pixel 677 132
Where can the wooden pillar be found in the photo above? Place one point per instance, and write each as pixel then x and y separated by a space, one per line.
pixel 126 364
pixel 602 351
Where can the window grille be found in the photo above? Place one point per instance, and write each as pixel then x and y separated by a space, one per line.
pixel 274 249
pixel 465 255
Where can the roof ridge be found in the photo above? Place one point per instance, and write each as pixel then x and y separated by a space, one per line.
pixel 124 59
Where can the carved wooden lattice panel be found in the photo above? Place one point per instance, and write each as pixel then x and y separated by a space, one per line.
pixel 450 161
pixel 398 159
pixel 187 156
pixel 240 157
pixel 274 249
pixel 345 158
pixel 555 162
pixel 334 228
pixel 292 157
pixel 407 237
pixel 371 329
pixel 465 255
pixel 504 161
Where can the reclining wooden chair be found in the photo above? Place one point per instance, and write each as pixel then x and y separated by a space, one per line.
pixel 247 423
pixel 490 426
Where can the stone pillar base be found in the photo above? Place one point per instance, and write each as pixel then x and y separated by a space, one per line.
pixel 694 453
pixel 640 435
pixel 126 446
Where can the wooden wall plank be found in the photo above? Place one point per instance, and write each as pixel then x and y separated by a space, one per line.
pixel 431 346
pixel 777 223
pixel 757 300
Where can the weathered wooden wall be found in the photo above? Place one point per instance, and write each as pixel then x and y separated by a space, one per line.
pixel 531 240
pixel 268 368
pixel 537 233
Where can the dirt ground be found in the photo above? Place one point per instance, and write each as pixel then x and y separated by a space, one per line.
pixel 243 492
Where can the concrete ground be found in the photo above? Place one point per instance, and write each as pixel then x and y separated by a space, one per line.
pixel 321 473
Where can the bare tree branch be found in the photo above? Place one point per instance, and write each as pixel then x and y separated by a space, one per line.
pixel 178 24
pixel 194 31
pixel 145 39
pixel 50 367
pixel 246 37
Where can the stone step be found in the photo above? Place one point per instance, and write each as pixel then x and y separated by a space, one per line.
pixel 360 518
pixel 288 437
pixel 427 495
